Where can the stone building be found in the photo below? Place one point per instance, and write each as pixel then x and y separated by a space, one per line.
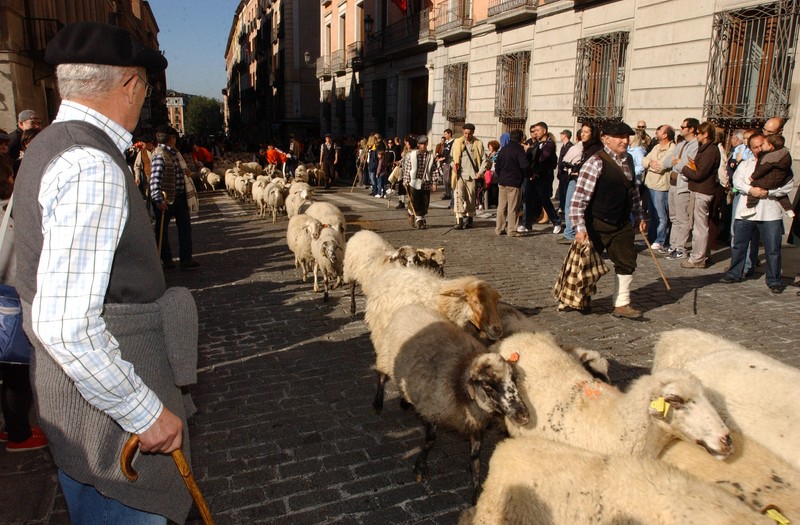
pixel 271 90
pixel 26 26
pixel 400 66
pixel 176 107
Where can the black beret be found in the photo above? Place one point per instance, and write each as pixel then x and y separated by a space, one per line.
pixel 96 43
pixel 617 129
pixel 166 129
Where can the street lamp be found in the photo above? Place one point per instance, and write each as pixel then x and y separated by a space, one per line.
pixel 368 25
pixel 307 59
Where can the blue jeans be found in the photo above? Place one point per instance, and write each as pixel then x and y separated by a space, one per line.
pixel 771 233
pixel 381 185
pixel 755 239
pixel 569 231
pixel 88 507
pixel 372 181
pixel 659 216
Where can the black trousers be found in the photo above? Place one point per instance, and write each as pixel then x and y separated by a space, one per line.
pixel 17 397
pixel 421 200
pixel 536 195
pixel 180 210
pixel 618 240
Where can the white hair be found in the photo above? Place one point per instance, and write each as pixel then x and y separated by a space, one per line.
pixel 88 81
pixel 739 134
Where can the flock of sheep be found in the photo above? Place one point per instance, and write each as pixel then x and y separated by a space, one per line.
pixel 710 436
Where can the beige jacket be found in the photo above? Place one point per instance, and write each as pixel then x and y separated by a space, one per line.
pixel 458 150
pixel 657 179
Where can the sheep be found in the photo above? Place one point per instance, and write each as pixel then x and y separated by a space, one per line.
pixel 535 481
pixel 274 198
pixel 298 237
pixel 751 390
pixel 515 322
pixel 432 259
pixel 243 186
pixel 230 181
pixel 211 181
pixel 327 247
pixel 321 177
pixel 568 405
pixel 460 385
pixel 368 254
pixel 259 193
pixel 300 174
pixel 327 213
pixel 752 473
pixel 249 167
pixel 297 202
pixel 297 187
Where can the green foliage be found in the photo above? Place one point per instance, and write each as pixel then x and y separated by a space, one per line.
pixel 203 116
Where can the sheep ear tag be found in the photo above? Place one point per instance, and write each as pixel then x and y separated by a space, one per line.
pixel 660 405
pixel 774 514
pixel 513 358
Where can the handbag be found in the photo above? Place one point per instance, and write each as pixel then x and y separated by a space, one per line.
pixel 14 345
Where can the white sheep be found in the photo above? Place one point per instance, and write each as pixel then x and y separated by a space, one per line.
pixel 230 181
pixel 297 202
pixel 327 247
pixel 300 174
pixel 368 255
pixel 275 198
pixel 298 237
pixel 327 213
pixel 536 481
pixel 244 187
pixel 259 194
pixel 450 378
pixel 569 405
pixel 249 167
pixel 752 473
pixel 753 391
pixel 297 187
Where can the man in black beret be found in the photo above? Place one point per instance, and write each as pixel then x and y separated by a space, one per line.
pixel 605 197
pixel 94 299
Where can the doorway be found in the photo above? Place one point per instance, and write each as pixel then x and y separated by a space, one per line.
pixel 418 104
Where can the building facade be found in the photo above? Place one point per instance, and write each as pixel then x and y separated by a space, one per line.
pixel 419 66
pixel 271 88
pixel 26 26
pixel 176 107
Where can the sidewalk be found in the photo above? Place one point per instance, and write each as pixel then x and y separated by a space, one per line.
pixel 286 433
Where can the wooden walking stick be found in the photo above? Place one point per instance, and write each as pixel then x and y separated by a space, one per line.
pixel 410 200
pixel 161 229
pixel 126 464
pixel 655 259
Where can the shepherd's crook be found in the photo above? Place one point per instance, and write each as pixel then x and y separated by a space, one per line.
pixel 666 283
pixel 126 460
pixel 410 201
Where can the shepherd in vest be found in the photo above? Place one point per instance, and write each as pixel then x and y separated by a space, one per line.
pixel 605 196
pixel 112 346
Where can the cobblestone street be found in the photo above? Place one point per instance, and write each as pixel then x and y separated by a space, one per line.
pixel 286 431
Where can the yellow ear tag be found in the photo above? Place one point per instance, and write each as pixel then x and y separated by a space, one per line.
pixel 777 516
pixel 513 358
pixel 660 404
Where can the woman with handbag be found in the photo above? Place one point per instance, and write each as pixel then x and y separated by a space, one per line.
pixel 15 393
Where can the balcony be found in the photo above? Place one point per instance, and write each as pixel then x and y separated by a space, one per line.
pixel 408 36
pixel 355 55
pixel 324 67
pixel 338 62
pixel 509 12
pixel 453 24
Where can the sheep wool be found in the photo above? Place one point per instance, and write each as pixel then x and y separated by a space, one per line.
pixel 754 392
pixel 298 238
pixel 535 481
pixel 570 406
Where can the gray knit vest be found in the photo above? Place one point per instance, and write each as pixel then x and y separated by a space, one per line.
pixel 85 442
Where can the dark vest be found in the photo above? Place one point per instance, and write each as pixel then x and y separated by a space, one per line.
pixel 611 201
pixel 136 275
pixel 329 154
pixel 169 173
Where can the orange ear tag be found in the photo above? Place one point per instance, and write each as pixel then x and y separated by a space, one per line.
pixel 513 358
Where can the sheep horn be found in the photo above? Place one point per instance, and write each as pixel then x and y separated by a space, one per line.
pixel 126 465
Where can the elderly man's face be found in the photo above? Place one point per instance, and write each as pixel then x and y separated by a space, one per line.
pixel 756 145
pixel 617 143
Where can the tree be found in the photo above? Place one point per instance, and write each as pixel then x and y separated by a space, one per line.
pixel 203 116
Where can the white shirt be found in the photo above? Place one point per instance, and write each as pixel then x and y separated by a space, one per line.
pixel 767 209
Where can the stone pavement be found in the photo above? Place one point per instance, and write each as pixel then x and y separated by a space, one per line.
pixel 286 433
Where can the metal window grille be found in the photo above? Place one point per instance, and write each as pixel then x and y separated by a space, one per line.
pixel 511 93
pixel 752 58
pixel 600 77
pixel 455 92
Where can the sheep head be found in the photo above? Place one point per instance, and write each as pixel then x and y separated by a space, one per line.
pixel 681 408
pixel 470 300
pixel 314 227
pixel 433 259
pixel 492 384
pixel 405 255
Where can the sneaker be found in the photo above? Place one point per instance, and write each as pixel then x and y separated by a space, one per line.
pixel 522 229
pixel 676 255
pixel 421 225
pixel 459 225
pixel 663 250
pixel 191 264
pixel 656 247
pixel 35 442
pixel 34 430
pixel 626 312
pixel 377 196
pixel 728 280
pixel 558 229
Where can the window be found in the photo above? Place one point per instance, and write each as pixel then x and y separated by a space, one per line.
pixel 327 102
pixel 454 106
pixel 511 93
pixel 600 77
pixel 379 103
pixel 340 104
pixel 752 58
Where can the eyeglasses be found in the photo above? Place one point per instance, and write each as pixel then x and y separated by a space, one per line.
pixel 641 127
pixel 148 89
pixel 684 127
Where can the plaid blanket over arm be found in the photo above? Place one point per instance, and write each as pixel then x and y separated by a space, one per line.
pixel 582 267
